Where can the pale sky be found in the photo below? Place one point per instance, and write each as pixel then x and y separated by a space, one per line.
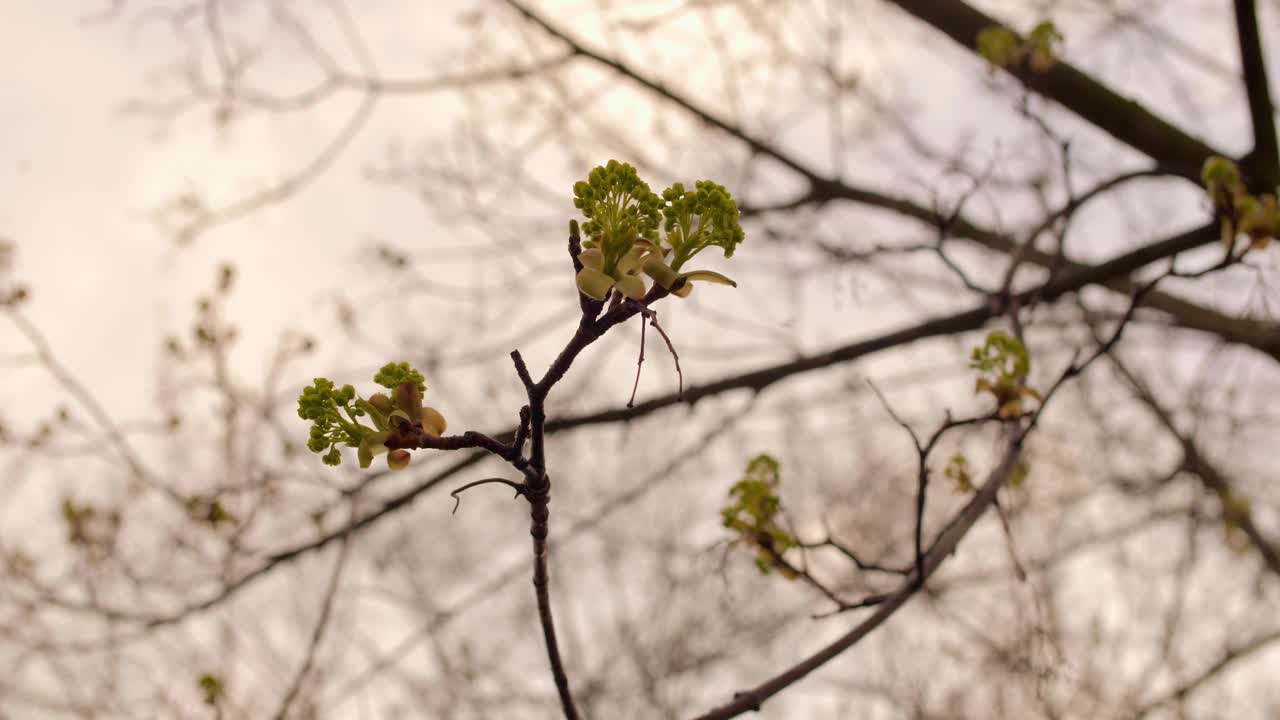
pixel 81 178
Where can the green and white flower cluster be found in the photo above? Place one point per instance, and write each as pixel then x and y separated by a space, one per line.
pixel 623 221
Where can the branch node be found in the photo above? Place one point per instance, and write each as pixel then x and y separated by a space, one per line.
pixel 522 370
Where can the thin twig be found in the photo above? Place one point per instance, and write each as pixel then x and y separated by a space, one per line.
pixel 675 356
pixel 457 494
pixel 752 699
pixel 639 362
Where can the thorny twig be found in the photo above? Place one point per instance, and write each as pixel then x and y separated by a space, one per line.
pixel 457 494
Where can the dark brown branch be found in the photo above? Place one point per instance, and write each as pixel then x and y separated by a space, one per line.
pixel 1263 162
pixel 537 486
pixel 540 580
pixel 1261 335
pixel 1121 117
pixel 522 432
pixel 522 370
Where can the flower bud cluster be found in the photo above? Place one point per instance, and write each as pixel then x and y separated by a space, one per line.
pixel 1257 217
pixel 624 246
pixel 398 420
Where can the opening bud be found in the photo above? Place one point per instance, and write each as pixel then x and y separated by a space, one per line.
pixel 409 399
pixel 380 402
pixel 631 286
pixel 709 276
pixel 593 283
pixel 592 258
pixel 661 272
pixel 372 446
pixel 631 261
pixel 433 422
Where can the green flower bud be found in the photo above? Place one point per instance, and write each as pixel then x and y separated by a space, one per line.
pixel 999 46
pixel 1219 171
pixel 393 374
pixel 1258 217
pixel 398 459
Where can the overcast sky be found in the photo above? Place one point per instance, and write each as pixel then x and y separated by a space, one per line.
pixel 81 178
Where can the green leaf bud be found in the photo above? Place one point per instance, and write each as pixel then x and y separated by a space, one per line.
pixel 1043 42
pixel 999 46
pixel 211 687
pixel 1219 175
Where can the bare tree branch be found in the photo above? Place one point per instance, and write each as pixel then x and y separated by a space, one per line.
pixel 1124 119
